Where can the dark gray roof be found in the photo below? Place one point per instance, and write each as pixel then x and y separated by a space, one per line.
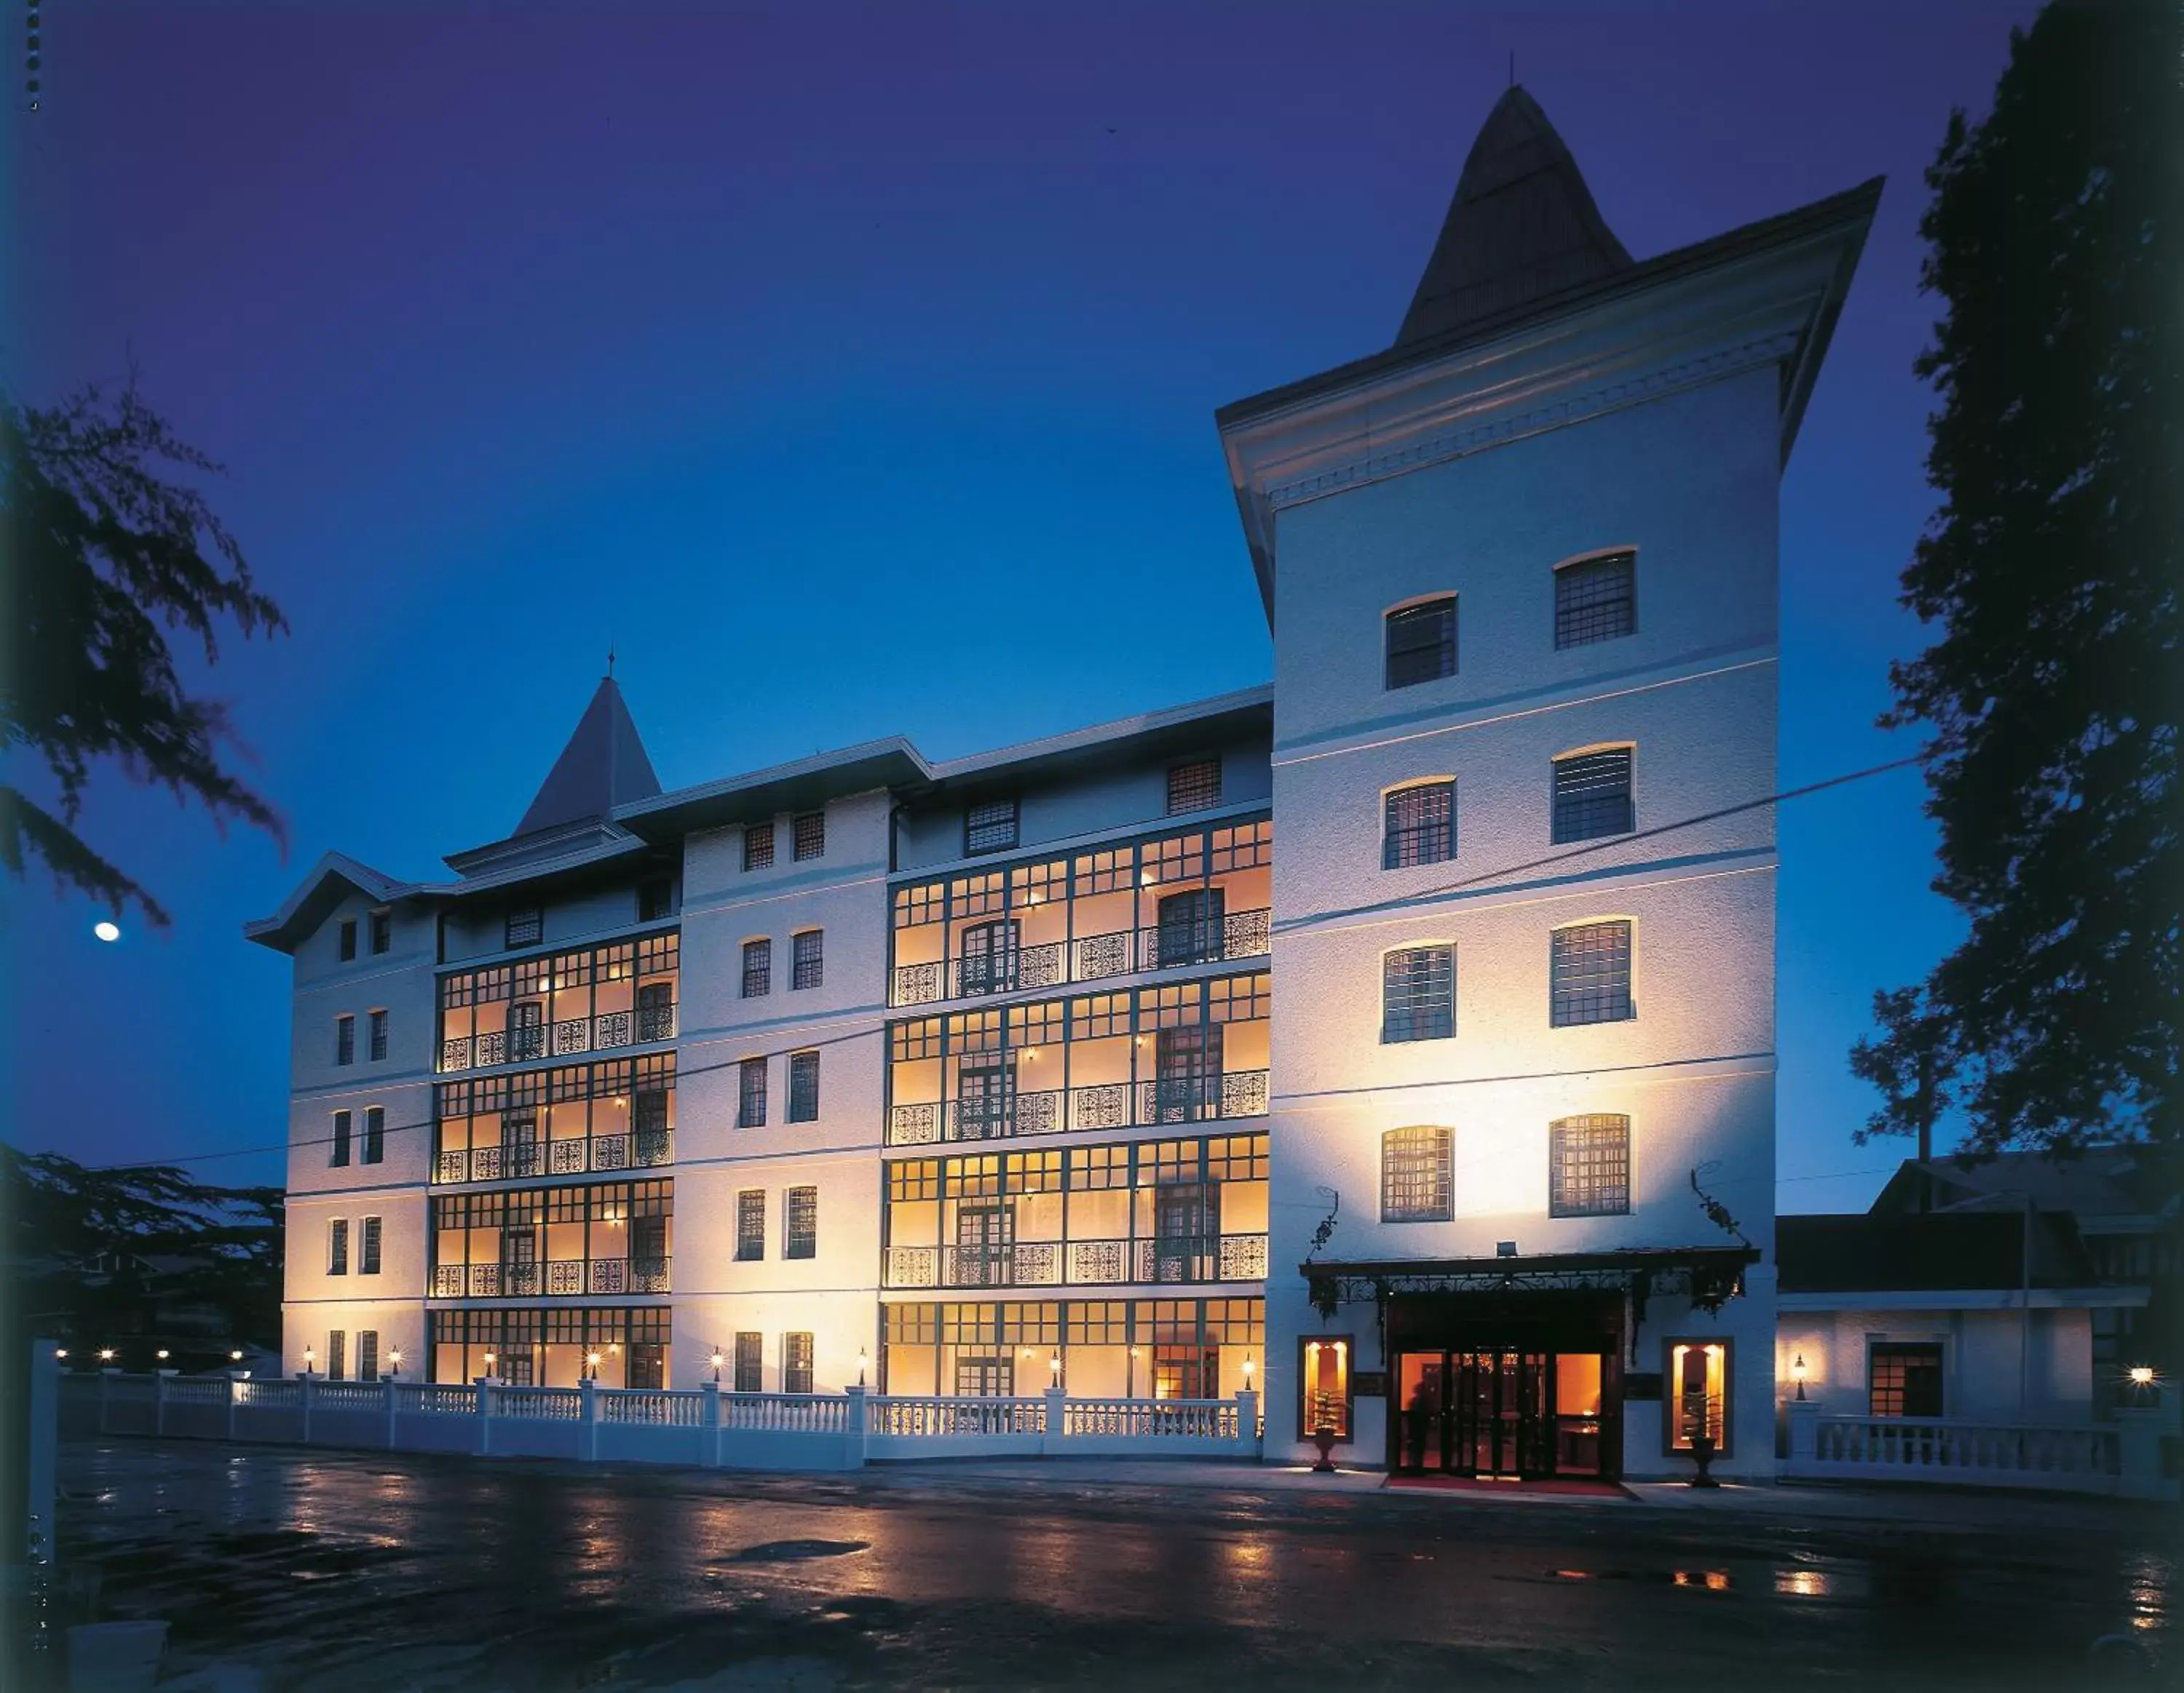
pixel 2097 1182
pixel 1925 1252
pixel 1522 226
pixel 603 766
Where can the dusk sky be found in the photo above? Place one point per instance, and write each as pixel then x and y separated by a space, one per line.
pixel 852 370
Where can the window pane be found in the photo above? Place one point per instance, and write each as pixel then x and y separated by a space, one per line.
pixel 348 939
pixel 802 1212
pixel 796 1363
pixel 1596 601
pixel 1416 1175
pixel 1421 642
pixel 811 834
pixel 807 953
pixel 750 1354
pixel 1591 975
pixel 758 968
pixel 1193 787
pixel 524 927
pixel 750 1225
pixel 1903 1379
pixel 750 1094
pixel 758 846
pixel 991 827
pixel 803 1086
pixel 1418 993
pixel 1421 825
pixel 1592 796
pixel 1589 1172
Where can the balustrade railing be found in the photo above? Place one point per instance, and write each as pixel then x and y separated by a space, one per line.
pixel 1085 957
pixel 551 1278
pixel 560 1038
pixel 552 1404
pixel 522 1161
pixel 652 1407
pixel 935 1417
pixel 1191 1419
pixel 1061 1264
pixel 1944 1449
pixel 1098 1105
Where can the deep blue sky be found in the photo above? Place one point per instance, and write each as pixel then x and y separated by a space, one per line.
pixel 852 370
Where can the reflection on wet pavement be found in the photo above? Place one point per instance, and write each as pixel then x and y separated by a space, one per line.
pixel 356 1572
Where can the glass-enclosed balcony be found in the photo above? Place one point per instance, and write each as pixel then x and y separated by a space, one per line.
pixel 578 1119
pixel 1154 1349
pixel 610 1238
pixel 1199 897
pixel 1181 1053
pixel 590 1000
pixel 1160 1211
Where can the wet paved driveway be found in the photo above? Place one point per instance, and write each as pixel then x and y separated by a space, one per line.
pixel 354 1570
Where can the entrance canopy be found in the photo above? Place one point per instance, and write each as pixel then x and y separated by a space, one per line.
pixel 1708 1274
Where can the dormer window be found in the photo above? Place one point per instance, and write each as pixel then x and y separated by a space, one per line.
pixel 525 926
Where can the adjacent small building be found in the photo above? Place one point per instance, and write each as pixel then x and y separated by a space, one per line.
pixel 1390 1037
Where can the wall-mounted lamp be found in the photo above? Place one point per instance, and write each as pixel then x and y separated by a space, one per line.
pixel 861 1362
pixel 394 1359
pixel 1248 1367
pixel 717 1360
pixel 236 1356
pixel 161 1355
pixel 60 1351
pixel 591 1362
pixel 1054 1368
pixel 106 1354
pixel 1798 1373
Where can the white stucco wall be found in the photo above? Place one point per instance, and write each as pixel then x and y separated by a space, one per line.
pixel 1689 480
pixel 1998 1365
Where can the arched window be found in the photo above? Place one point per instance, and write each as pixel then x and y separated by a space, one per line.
pixel 1418 825
pixel 1592 795
pixel 1421 642
pixel 1416 1175
pixel 1418 993
pixel 1589 1165
pixel 1588 974
pixel 1595 599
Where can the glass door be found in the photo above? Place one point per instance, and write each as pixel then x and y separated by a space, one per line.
pixel 989 959
pixel 1421 1383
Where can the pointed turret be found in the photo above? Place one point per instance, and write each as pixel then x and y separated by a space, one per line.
pixel 1522 226
pixel 603 766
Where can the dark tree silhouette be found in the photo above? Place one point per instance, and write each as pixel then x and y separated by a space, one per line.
pixel 2051 569
pixel 104 558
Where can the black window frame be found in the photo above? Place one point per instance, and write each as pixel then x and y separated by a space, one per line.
pixel 337 1246
pixel 804 1087
pixel 1183 798
pixel 375 1035
pixel 345 941
pixel 1902 1393
pixel 338 1154
pixel 1589 1164
pixel 383 932
pixel 992 825
pixel 758 846
pixel 800 1222
pixel 796 1356
pixel 751 1226
pixel 374 1150
pixel 1579 996
pixel 371 1239
pixel 750 1094
pixel 367 1354
pixel 344 1039
pixel 1596 599
pixel 522 926
pixel 807 836
pixel 1408 662
pixel 655 898
pixel 1421 1019
pixel 1590 802
pixel 749 1363
pixel 807 960
pixel 758 968
pixel 1418 1159
pixel 1407 841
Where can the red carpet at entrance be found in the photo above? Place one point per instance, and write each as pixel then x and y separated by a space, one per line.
pixel 1566 1485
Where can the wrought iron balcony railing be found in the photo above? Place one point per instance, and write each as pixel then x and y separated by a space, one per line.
pixel 1102 1104
pixel 1088 958
pixel 522 1161
pixel 1086 1263
pixel 551 1278
pixel 559 1039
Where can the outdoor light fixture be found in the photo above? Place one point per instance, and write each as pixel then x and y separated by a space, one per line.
pixel 394 1358
pixel 1053 1368
pixel 106 1354
pixel 2142 1375
pixel 593 1359
pixel 861 1362
pixel 107 931
pixel 162 1354
pixel 1248 1367
pixel 1798 1374
pixel 310 1358
pixel 716 1367
pixel 236 1356
pixel 60 1351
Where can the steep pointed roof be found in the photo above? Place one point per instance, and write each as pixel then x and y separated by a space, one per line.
pixel 1522 226
pixel 603 766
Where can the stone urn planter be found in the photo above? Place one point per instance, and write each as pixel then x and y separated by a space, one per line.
pixel 1703 1455
pixel 1323 1437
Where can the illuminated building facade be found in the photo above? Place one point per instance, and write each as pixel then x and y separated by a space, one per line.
pixel 971 1077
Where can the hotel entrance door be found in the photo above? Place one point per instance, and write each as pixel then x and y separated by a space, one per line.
pixel 1499 1411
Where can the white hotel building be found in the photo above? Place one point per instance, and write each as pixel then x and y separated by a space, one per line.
pixel 1052 1064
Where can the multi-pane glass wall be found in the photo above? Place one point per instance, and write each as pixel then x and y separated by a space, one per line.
pixel 590 1239
pixel 1189 1052
pixel 551 1348
pixel 588 1000
pixel 570 1120
pixel 1155 1212
pixel 1092 1349
pixel 1196 897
